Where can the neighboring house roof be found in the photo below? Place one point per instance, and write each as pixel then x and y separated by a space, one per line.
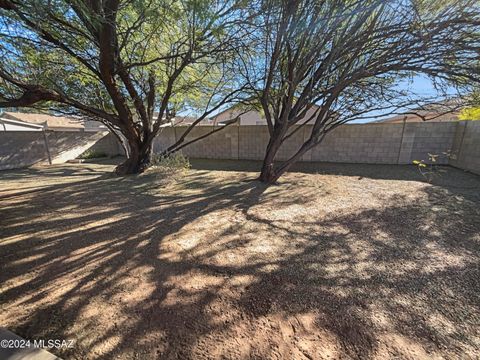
pixel 16 125
pixel 435 112
pixel 49 121
pixel 186 120
pixel 91 125
pixel 252 117
pixel 425 116
pixel 228 112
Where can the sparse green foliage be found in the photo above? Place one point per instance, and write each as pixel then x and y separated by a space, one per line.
pixel 170 163
pixel 430 168
pixel 92 154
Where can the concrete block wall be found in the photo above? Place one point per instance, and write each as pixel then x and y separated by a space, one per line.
pixel 358 143
pixel 109 145
pixel 291 145
pixel 253 141
pixel 21 148
pixel 164 139
pixel 64 146
pixel 422 139
pixel 466 146
pixel 221 145
pixel 457 142
pixel 24 148
pixel 355 143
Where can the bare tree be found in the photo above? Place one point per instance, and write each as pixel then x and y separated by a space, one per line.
pixel 131 64
pixel 331 62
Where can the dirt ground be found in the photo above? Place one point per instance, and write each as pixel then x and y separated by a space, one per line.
pixel 345 262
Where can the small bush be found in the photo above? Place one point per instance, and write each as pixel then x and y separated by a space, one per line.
pixel 92 154
pixel 172 163
pixel 430 169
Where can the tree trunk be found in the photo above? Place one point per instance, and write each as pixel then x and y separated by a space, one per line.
pixel 268 174
pixel 138 160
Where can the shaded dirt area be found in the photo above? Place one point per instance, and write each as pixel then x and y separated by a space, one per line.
pixel 355 262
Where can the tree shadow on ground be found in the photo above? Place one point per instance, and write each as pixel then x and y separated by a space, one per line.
pixel 207 266
pixel 443 174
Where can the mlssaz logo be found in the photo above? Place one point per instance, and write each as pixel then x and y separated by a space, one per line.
pixel 53 343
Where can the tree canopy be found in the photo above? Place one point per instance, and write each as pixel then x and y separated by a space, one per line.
pixel 131 64
pixel 331 62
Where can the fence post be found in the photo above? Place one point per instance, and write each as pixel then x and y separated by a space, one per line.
pixel 401 140
pixel 174 133
pixel 238 141
pixel 461 142
pixel 47 147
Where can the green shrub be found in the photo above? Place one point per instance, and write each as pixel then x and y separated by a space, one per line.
pixel 171 163
pixel 92 154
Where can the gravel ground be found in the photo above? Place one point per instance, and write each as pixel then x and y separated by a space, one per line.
pixel 344 262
